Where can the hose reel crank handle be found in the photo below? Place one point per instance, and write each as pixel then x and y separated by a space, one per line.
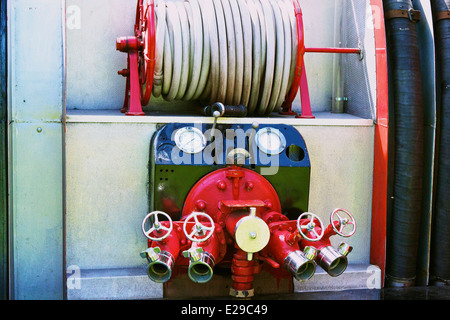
pixel 226 110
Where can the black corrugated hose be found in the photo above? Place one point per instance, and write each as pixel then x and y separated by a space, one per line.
pixel 440 238
pixel 406 101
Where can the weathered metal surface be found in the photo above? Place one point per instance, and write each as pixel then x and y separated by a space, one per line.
pixel 3 158
pixel 36 153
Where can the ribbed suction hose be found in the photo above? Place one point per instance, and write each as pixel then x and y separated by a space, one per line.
pixel 407 104
pixel 440 239
pixel 238 52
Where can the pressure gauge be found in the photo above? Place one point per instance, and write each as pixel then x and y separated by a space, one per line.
pixel 270 141
pixel 190 140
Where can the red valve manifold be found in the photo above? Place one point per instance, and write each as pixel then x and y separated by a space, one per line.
pixel 232 216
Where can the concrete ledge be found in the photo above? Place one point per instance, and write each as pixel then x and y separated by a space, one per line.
pixel 115 116
pixel 133 284
pixel 356 276
pixel 113 284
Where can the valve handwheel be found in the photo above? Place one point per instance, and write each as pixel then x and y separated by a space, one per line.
pixel 140 26
pixel 200 232
pixel 147 63
pixel 310 226
pixel 157 226
pixel 347 219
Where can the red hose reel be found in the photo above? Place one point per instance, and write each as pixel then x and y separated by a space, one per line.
pixel 140 61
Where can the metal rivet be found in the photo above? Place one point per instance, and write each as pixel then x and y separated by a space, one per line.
pixel 221 185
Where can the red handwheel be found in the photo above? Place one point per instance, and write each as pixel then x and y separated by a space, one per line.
pixel 147 56
pixel 138 20
pixel 287 105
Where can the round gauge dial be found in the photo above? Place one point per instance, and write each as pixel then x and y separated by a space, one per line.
pixel 190 140
pixel 270 140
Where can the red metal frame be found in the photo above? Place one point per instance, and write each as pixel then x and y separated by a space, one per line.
pixel 299 70
pixel 380 169
pixel 333 50
pixel 135 107
pixel 140 60
pixel 300 79
pixel 149 59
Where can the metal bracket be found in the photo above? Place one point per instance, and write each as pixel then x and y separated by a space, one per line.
pixel 194 254
pixel 442 15
pixel 411 14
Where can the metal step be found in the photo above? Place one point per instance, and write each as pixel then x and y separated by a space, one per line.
pixel 133 284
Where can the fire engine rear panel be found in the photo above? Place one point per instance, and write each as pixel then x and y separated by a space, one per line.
pixel 109 178
pixel 85 180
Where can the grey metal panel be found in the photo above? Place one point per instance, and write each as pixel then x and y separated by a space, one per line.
pixel 356 276
pixel 113 284
pixel 358 75
pixel 36 203
pixel 106 179
pixel 92 58
pixel 36 40
pixel 3 159
pixel 35 135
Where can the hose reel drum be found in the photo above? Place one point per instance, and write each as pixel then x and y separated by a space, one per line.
pixel 235 52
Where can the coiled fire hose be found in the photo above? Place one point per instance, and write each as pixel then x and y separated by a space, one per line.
pixel 239 52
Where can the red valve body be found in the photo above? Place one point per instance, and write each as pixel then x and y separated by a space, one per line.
pixel 227 195
pixel 323 242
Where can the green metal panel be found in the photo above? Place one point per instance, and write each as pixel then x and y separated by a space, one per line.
pixel 294 197
pixel 36 137
pixel 3 159
pixel 172 183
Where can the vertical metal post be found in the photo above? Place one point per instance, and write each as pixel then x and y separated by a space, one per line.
pixel 337 104
pixel 3 158
pixel 380 165
pixel 36 107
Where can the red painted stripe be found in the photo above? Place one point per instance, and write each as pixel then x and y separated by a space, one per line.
pixel 333 50
pixel 380 174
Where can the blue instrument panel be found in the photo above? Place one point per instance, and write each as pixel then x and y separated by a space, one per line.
pixel 197 144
